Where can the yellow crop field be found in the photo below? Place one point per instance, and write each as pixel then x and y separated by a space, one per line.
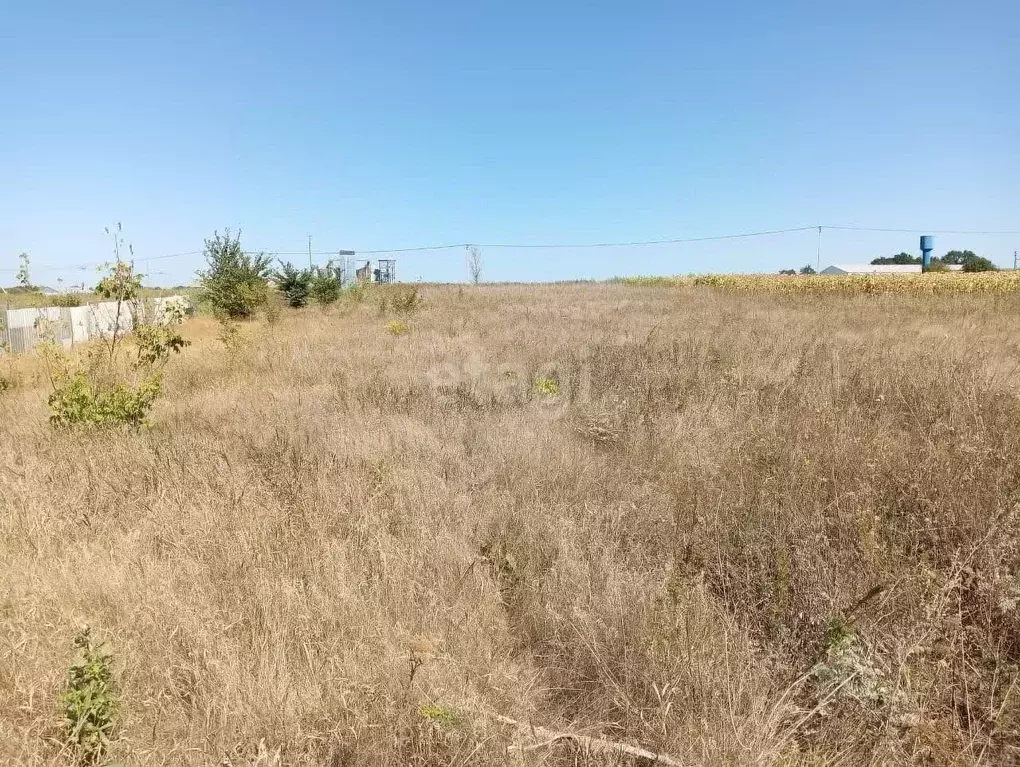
pixel 938 283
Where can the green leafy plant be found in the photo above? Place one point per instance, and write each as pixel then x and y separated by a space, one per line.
pixel 325 286
pixel 397 328
pixel 102 393
pixel 355 292
pixel 978 264
pixel 66 300
pixel 121 285
pixel 407 300
pixel 229 334
pixel 79 401
pixel 24 280
pixel 90 700
pixel 295 284
pixel 444 716
pixel 235 283
pixel 156 342
pixel 547 385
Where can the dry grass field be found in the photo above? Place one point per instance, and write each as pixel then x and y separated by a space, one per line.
pixel 730 528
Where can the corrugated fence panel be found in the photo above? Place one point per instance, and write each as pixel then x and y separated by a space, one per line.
pixel 79 324
pixel 22 329
pixel 26 327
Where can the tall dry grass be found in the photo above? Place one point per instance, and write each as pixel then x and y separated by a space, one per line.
pixel 744 530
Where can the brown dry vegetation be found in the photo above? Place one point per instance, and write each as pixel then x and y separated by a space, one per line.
pixel 354 547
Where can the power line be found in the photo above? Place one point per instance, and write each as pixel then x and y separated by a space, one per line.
pixel 411 250
pixel 551 246
pixel 172 255
pixel 360 252
pixel 641 243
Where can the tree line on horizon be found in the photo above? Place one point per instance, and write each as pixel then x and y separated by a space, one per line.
pixel 968 259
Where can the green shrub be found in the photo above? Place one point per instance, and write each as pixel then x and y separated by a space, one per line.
pixel 78 401
pixel 445 716
pixel 547 385
pixel 229 335
pixel 90 701
pixel 235 283
pixel 295 284
pixel 156 343
pixel 102 393
pixel 397 328
pixel 978 264
pixel 66 300
pixel 407 300
pixel 325 287
pixel 355 292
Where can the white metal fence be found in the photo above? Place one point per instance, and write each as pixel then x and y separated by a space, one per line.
pixel 21 329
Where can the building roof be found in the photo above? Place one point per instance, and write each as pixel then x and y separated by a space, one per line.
pixel 880 269
pixel 873 269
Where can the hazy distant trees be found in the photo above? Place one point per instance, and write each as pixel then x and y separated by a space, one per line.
pixel 968 259
pixel 901 259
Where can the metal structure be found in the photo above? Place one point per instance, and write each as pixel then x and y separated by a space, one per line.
pixel 363 271
pixel 927 246
pixel 387 271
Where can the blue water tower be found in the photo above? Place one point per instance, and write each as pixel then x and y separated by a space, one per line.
pixel 927 246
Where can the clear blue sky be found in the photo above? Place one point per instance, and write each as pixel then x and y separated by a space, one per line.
pixel 390 124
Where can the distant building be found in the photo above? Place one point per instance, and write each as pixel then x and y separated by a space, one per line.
pixel 880 269
pixel 385 272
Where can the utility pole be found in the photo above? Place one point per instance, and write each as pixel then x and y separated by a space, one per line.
pixel 309 251
pixel 819 253
pixel 1014 260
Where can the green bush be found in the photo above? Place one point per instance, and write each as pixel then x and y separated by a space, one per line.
pixel 103 393
pixel 90 701
pixel 66 300
pixel 325 287
pixel 235 283
pixel 355 293
pixel 978 264
pixel 295 284
pixel 407 300
pixel 397 328
pixel 77 401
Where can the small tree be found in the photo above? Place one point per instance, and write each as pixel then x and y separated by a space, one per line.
pixel 122 285
pixel 326 286
pixel 788 271
pixel 235 283
pixel 294 283
pixel 807 269
pixel 102 390
pixel 24 280
pixel 474 259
